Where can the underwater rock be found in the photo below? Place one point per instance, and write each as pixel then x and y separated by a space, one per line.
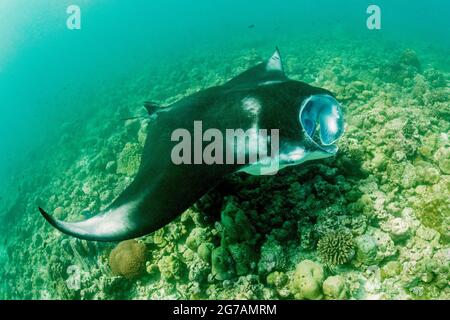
pixel 353 90
pixel 307 281
pixel 105 197
pixel 115 286
pixel 59 213
pixel 444 164
pixel 426 173
pixel 204 251
pixel 198 271
pixel 111 167
pixel 336 248
pixel 442 157
pixel 435 77
pixel 403 70
pixel 196 238
pixel 409 58
pixel 432 208
pixel 385 246
pixel 272 257
pixel 280 281
pixel 441 268
pixel 128 259
pixel 171 267
pixel 132 127
pixel 366 249
pixel 334 288
pixel 398 228
pixel 129 159
pixel 391 269
pixel 222 264
pixel 244 258
pixel 236 227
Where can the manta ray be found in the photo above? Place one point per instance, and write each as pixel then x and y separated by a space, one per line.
pixel 309 121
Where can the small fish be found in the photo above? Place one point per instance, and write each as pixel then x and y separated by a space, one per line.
pixel 251 26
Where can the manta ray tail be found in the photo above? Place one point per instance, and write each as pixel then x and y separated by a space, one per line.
pixel 110 225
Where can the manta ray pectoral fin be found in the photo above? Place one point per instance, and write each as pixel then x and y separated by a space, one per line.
pixel 111 225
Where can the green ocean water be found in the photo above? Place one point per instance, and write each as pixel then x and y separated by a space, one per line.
pixel 370 223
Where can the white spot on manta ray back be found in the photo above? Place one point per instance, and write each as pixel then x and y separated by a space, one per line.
pixel 252 105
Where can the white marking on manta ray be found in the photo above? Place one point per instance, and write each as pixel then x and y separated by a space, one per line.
pixel 284 160
pixel 108 223
pixel 268 83
pixel 252 105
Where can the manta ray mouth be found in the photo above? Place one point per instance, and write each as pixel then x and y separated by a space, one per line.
pixel 322 120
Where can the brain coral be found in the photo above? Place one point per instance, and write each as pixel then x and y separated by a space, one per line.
pixel 128 259
pixel 336 248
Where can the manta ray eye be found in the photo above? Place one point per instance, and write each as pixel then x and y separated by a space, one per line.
pixel 322 119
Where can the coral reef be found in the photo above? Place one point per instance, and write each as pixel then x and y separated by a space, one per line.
pixel 307 281
pixel 273 237
pixel 128 259
pixel 336 248
pixel 129 159
pixel 334 288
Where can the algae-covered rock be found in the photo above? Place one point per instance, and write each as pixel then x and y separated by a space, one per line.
pixel 128 259
pixel 204 251
pixel 244 258
pixel 391 269
pixel 307 281
pixel 399 229
pixel 409 58
pixel 171 267
pixel 334 288
pixel 236 227
pixel 272 257
pixel 366 249
pixel 280 281
pixel 222 264
pixel 385 245
pixel 433 206
pixel 196 238
pixel 277 279
pixel 129 159
pixel 198 271
pixel 442 157
pixel 441 267
pixel 58 213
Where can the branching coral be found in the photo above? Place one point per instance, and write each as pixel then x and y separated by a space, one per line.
pixel 336 248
